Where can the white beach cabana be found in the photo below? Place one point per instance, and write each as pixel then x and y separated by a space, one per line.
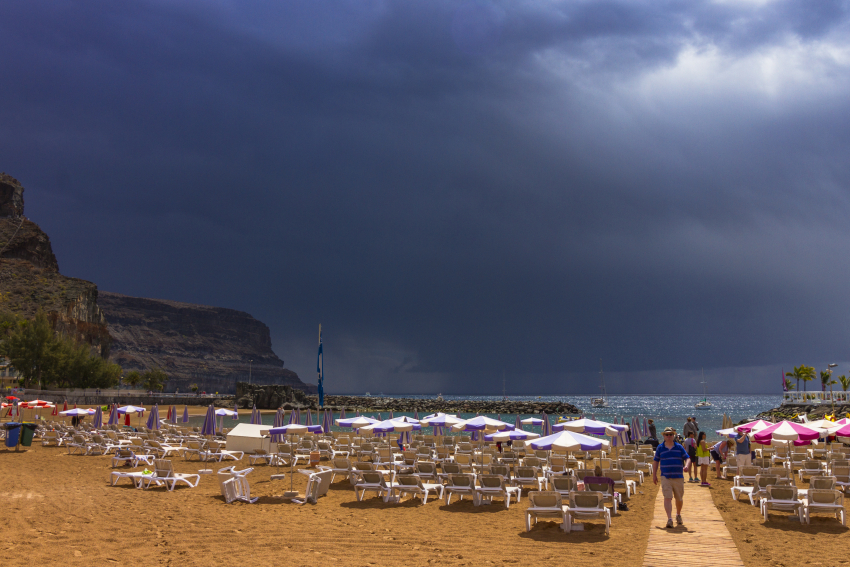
pixel 248 437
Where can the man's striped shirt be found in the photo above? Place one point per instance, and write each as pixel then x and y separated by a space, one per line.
pixel 671 461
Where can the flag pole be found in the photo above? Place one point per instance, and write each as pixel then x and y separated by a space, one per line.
pixel 320 362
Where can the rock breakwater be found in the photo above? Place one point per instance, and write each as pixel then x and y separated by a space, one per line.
pixel 275 396
pixel 813 412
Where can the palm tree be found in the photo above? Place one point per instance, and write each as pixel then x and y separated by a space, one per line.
pixel 802 372
pixel 844 381
pixel 825 375
pixel 808 374
pixel 790 386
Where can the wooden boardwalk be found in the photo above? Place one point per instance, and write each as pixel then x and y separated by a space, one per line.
pixel 703 540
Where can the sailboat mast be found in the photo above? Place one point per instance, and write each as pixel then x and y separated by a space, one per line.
pixel 601 379
pixel 504 397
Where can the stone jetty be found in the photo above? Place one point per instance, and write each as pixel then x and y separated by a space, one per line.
pixel 814 412
pixel 273 396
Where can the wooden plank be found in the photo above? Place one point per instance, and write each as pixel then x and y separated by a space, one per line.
pixel 704 535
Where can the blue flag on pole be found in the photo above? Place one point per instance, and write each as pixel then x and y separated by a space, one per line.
pixel 319 365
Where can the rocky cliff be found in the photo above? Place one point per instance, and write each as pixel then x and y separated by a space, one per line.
pixel 212 347
pixel 30 278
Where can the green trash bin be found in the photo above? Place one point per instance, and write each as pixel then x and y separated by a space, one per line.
pixel 27 433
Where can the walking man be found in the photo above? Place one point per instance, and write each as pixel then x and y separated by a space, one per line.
pixel 672 460
pixel 690 427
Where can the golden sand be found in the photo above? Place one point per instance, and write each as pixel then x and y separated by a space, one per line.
pixel 61 508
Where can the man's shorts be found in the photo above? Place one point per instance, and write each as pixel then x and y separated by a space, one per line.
pixel 673 487
pixel 745 460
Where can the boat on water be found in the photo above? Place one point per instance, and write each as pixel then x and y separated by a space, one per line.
pixel 704 404
pixel 600 402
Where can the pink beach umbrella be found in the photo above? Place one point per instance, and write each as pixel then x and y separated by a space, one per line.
pixel 753 426
pixel 786 431
pixel 841 433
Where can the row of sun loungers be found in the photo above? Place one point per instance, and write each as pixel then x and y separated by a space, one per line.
pixel 774 489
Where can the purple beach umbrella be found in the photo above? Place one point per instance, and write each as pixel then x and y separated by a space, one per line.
pixel 113 415
pixel 98 418
pixel 546 425
pixel 185 414
pixel 327 421
pixel 153 418
pixel 209 422
pixel 256 418
pixel 278 422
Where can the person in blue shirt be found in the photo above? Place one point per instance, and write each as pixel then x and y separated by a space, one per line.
pixel 671 460
pixel 743 451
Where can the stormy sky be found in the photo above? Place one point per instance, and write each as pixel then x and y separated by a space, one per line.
pixel 456 190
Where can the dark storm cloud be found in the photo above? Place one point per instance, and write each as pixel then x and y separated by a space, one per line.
pixel 454 189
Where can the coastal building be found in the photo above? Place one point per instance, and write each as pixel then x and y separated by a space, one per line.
pixel 8 375
pixel 798 398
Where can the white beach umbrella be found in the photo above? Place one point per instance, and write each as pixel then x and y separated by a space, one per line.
pixel 356 422
pixel 822 425
pixel 289 429
pixel 390 426
pixel 592 427
pixel 568 441
pixel 512 435
pixel 481 423
pixel 441 420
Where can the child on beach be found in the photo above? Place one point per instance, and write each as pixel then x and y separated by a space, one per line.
pixel 703 455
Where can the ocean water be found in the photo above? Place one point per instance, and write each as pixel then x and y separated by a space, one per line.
pixel 666 410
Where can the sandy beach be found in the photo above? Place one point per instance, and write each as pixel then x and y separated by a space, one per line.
pixel 781 541
pixel 60 507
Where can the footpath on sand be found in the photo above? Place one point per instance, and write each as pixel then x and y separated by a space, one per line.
pixel 703 540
